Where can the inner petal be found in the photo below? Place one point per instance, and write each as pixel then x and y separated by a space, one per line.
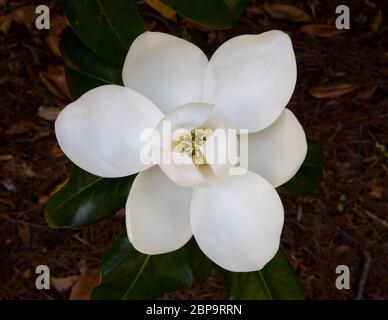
pixel 182 160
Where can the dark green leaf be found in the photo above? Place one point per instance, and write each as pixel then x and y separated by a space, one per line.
pixel 79 83
pixel 107 27
pixel 84 70
pixel 80 58
pixel 86 199
pixel 276 281
pixel 309 176
pixel 203 267
pixel 217 14
pixel 128 274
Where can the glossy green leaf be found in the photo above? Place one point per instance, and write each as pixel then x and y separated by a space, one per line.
pixel 85 70
pixel 309 176
pixel 128 274
pixel 276 281
pixel 79 83
pixel 80 58
pixel 86 199
pixel 107 27
pixel 217 14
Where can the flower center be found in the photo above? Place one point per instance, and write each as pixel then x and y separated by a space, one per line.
pixel 189 143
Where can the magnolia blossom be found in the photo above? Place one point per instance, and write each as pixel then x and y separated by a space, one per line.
pixel 236 219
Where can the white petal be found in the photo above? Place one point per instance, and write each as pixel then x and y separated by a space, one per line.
pixel 100 132
pixel 157 213
pixel 188 116
pixel 238 223
pixel 277 152
pixel 166 69
pixel 180 167
pixel 182 171
pixel 250 78
pixel 220 151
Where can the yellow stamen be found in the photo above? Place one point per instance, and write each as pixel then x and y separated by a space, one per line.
pixel 190 144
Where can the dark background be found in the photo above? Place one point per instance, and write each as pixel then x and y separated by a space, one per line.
pixel 344 222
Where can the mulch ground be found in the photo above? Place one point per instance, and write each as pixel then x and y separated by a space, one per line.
pixel 343 223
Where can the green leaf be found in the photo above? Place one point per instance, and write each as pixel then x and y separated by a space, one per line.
pixel 217 14
pixel 84 70
pixel 309 176
pixel 203 267
pixel 276 281
pixel 86 199
pixel 128 274
pixel 80 58
pixel 79 83
pixel 107 27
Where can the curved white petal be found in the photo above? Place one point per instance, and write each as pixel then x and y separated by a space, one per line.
pixel 250 78
pixel 166 69
pixel 277 152
pixel 188 116
pixel 238 223
pixel 220 151
pixel 157 213
pixel 179 123
pixel 100 132
pixel 182 171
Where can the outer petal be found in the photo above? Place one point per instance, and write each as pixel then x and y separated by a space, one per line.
pixel 277 152
pixel 238 223
pixel 251 78
pixel 166 69
pixel 157 213
pixel 100 132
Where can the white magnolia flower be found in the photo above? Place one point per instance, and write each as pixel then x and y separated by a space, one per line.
pixel 237 220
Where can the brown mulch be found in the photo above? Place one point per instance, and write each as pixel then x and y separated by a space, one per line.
pixel 321 231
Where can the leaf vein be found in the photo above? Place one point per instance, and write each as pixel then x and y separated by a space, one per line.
pixel 111 25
